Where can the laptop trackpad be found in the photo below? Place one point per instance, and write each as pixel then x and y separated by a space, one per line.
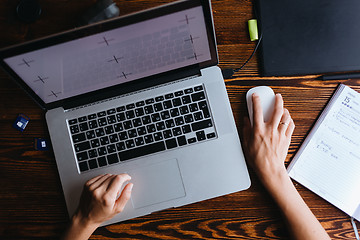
pixel 156 183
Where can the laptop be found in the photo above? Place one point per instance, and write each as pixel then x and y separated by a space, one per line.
pixel 140 94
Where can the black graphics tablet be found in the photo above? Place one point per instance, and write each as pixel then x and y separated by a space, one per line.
pixel 309 37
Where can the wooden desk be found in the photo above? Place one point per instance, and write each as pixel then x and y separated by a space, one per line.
pixel 31 200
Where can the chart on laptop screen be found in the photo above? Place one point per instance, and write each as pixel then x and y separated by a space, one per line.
pixel 113 57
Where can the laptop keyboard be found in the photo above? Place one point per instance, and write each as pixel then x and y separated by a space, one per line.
pixel 144 127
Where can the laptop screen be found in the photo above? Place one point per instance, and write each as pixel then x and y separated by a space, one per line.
pixel 173 39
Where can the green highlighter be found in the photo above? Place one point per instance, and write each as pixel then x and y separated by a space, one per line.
pixel 253 29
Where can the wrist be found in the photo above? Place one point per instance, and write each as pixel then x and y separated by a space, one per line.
pixel 272 180
pixel 83 223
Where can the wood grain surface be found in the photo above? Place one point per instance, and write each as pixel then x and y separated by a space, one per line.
pixel 31 199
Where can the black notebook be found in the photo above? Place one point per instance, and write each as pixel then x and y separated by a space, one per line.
pixel 309 37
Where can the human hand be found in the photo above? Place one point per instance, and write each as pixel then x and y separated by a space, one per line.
pixel 99 201
pixel 266 143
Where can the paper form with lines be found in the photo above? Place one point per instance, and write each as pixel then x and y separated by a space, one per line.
pixel 328 162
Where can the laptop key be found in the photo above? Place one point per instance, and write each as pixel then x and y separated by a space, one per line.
pixel 188 90
pixel 83 166
pixel 200 136
pixel 171 143
pixel 186 129
pixel 95 143
pixel 151 128
pixel 198 88
pixel 139 141
pixel 130 114
pixel 127 125
pixel 137 122
pixel 142 151
pixel 92 116
pixel 102 121
pixel 93 124
pixel 192 140
pixel 109 129
pixel 130 143
pixel 149 109
pixel 168 96
pixel 79 137
pixel 146 119
pixel 176 102
pixel 101 114
pixel 112 158
pixel 159 98
pixel 155 117
pixel 139 104
pixel 120 117
pixel 141 131
pixel 184 110
pixel 130 106
pixel 113 138
pixel 139 112
pixel 74 129
pixel 104 140
pixel 102 151
pixel 179 93
pixel 93 164
pixel 102 161
pixel 182 140
pixel 167 104
pixel 79 147
pixel 72 121
pixel 83 126
pixel 92 153
pixel 123 135
pixel 111 148
pixel 120 146
pixel 148 139
pixel 82 119
pixel 158 136
pixel 158 107
pixel 100 132
pixel 198 96
pixel 210 135
pixel 82 156
pixel 111 119
pixel 149 101
pixel 111 111
pixel 120 109
pixel 118 127
pixel 198 116
pixel 201 125
pixel 90 134
pixel 186 99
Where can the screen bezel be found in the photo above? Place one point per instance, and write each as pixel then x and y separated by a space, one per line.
pixel 105 26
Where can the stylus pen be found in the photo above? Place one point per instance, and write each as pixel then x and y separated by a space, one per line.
pixel 340 76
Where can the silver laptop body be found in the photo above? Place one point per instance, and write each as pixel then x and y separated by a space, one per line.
pixel 142 95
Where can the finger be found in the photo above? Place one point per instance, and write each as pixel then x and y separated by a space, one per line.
pixel 116 183
pixel 290 129
pixel 258 117
pixel 98 181
pixel 91 181
pixel 278 111
pixel 124 198
pixel 285 120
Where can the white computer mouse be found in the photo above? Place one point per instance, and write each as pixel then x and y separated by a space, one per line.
pixel 267 97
